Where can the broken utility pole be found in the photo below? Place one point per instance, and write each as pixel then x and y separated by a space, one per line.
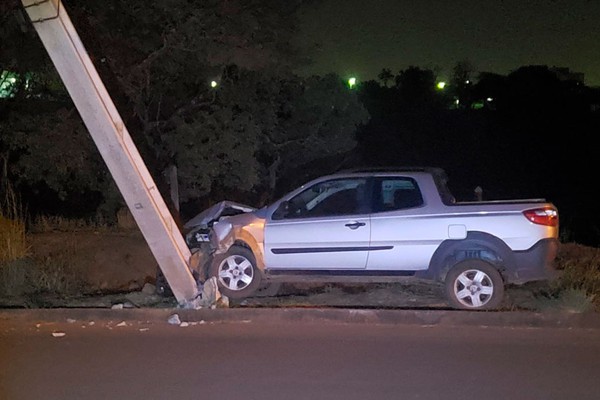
pixel 124 162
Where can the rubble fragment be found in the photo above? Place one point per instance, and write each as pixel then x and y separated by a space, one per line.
pixel 149 289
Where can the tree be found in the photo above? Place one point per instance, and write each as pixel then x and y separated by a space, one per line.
pixel 157 60
pixel 490 86
pixel 461 83
pixel 385 76
pixel 416 85
pixel 317 118
pixel 53 159
pixel 25 68
pixel 163 65
pixel 260 127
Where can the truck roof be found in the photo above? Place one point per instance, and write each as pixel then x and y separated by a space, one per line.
pixel 432 170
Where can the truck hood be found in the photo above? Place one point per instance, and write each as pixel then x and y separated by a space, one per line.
pixel 212 214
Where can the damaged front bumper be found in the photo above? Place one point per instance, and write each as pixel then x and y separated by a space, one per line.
pixel 209 233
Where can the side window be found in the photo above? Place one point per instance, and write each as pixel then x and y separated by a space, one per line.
pixel 397 194
pixel 329 198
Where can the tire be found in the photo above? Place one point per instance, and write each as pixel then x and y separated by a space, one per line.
pixel 236 272
pixel 474 285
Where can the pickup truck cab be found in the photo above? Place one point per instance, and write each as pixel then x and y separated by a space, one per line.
pixel 380 225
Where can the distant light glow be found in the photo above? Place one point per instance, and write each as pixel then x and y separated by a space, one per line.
pixel 213 84
pixel 352 82
pixel 441 85
pixel 490 99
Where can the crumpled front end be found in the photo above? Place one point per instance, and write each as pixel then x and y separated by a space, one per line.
pixel 198 229
pixel 219 227
pixel 245 230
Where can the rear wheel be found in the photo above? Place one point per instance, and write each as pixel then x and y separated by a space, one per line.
pixel 236 272
pixel 474 285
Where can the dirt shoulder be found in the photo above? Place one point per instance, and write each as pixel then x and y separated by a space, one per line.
pixel 105 261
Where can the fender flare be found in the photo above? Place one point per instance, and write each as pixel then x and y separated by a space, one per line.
pixel 477 245
pixel 244 238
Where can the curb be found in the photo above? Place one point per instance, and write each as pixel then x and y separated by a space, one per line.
pixel 448 318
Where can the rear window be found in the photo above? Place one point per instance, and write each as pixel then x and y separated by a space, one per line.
pixel 396 194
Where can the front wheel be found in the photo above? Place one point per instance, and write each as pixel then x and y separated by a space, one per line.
pixel 474 285
pixel 236 272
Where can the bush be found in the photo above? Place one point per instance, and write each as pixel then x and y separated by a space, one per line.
pixel 578 286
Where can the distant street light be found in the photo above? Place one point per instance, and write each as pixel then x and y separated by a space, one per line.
pixel 441 85
pixel 352 82
pixel 213 84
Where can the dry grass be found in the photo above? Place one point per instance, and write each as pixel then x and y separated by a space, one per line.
pixel 14 277
pixel 56 278
pixel 27 277
pixel 31 275
pixel 567 300
pixel 580 266
pixel 124 222
pixel 578 287
pixel 13 243
pixel 19 273
pixel 61 224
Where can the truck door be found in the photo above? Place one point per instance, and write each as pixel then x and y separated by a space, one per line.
pixel 326 226
pixel 401 234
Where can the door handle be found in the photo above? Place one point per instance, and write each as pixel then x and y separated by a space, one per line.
pixel 355 225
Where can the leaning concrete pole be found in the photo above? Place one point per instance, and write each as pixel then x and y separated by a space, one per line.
pixel 102 120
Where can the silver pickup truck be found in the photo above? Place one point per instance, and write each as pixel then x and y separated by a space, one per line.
pixel 379 225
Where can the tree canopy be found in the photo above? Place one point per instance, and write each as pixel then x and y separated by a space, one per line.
pixel 203 85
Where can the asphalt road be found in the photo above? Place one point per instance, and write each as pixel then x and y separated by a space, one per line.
pixel 305 354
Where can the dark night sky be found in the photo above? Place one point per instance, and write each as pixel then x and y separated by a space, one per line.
pixel 360 37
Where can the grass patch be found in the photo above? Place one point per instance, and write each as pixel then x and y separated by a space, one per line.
pixel 44 223
pixel 30 277
pixel 567 300
pixel 21 274
pixel 580 268
pixel 13 243
pixel 577 289
pixel 14 277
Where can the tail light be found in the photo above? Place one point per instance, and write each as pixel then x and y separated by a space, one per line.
pixel 542 216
